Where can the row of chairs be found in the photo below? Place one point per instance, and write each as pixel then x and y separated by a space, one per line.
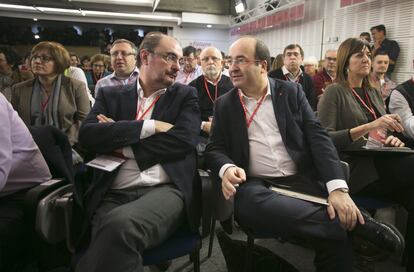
pixel 48 207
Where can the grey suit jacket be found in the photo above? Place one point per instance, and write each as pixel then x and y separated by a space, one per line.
pixel 339 111
pixel 73 105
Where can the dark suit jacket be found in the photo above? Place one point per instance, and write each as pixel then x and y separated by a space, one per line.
pixel 206 105
pixel 174 150
pixel 308 144
pixel 306 82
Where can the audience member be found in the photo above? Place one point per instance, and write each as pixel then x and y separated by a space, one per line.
pixel 291 71
pixel 99 65
pixel 265 132
pixel 155 124
pixel 51 98
pixel 351 111
pixel 310 65
pixel 197 55
pixel 210 85
pixel 123 60
pixel 190 69
pixel 388 46
pixel 86 63
pixel 401 102
pixel 25 70
pixel 365 36
pixel 9 71
pixel 78 74
pixel 277 62
pixel 22 166
pixel 74 60
pixel 377 78
pixel 325 78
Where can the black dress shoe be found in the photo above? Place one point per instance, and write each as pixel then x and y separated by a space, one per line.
pixel 382 235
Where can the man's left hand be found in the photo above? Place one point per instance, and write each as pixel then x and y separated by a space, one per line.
pixel 348 213
pixel 103 119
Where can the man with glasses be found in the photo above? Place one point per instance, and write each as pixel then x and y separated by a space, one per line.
pixel 291 71
pixel 154 126
pixel 190 70
pixel 264 132
pixel 210 85
pixel 123 60
pixel 325 77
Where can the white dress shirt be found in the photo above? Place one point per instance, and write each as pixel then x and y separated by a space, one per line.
pixel 129 173
pixel 399 105
pixel 268 155
pixel 290 76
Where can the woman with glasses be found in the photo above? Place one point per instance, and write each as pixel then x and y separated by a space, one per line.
pixel 51 98
pixel 99 65
pixel 353 113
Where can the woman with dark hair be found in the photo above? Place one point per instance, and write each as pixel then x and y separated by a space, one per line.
pixel 51 98
pixel 99 65
pixel 85 63
pixel 9 70
pixel 352 111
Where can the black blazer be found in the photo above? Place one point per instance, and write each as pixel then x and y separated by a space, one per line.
pixel 174 150
pixel 308 144
pixel 306 82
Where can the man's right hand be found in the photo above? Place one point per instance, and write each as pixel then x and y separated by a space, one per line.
pixel 207 127
pixel 233 175
pixel 161 126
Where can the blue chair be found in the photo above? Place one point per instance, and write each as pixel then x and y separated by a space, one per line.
pixel 182 242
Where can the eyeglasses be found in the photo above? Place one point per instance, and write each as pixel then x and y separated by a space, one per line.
pixel 123 54
pixel 240 61
pixel 214 59
pixel 98 65
pixel 330 59
pixel 42 58
pixel 168 57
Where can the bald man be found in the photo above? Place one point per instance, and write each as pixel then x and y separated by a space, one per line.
pixel 210 85
pixel 264 133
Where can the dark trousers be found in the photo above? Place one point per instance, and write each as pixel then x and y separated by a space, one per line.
pixel 258 208
pixel 396 183
pixel 14 235
pixel 129 221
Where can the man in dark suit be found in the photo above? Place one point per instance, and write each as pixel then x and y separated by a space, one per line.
pixel 264 130
pixel 291 71
pixel 154 125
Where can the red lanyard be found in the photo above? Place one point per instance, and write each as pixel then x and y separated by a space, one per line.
pixel 370 108
pixel 43 105
pixel 208 92
pixel 138 117
pixel 249 121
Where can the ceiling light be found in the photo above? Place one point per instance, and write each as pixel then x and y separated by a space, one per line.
pixel 240 7
pixel 36 37
pixel 35 19
pixel 208 26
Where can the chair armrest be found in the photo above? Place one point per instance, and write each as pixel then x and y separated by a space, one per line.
pixel 207 202
pixel 345 168
pixel 34 195
pixel 223 208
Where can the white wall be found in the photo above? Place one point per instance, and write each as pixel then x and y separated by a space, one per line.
pixel 202 37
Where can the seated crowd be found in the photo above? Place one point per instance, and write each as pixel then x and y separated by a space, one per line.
pixel 161 106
